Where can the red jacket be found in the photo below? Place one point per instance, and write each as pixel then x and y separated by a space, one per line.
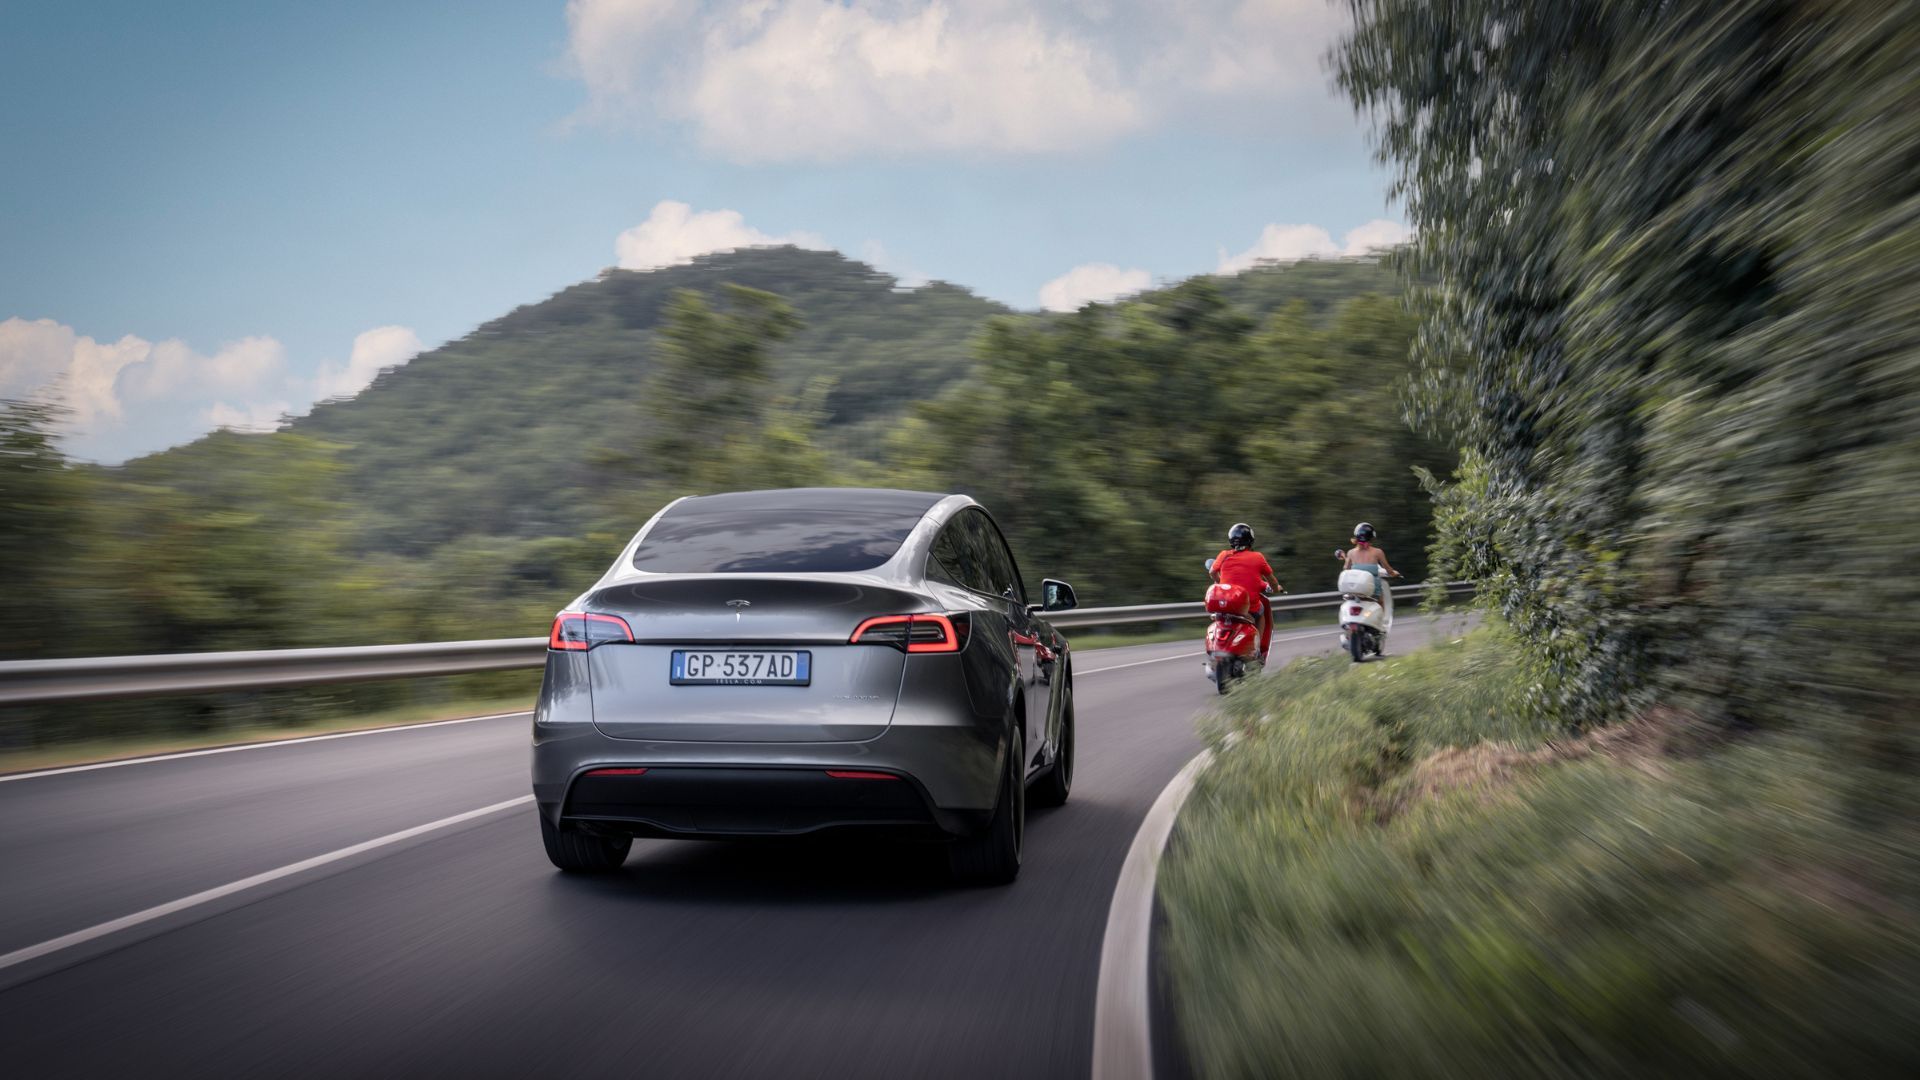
pixel 1243 568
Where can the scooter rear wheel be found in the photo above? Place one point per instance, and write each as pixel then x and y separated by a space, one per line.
pixel 1357 644
pixel 1222 675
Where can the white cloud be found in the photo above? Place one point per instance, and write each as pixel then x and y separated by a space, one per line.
pixel 257 417
pixel 1281 243
pixel 134 396
pixel 1374 235
pixel 771 80
pixel 373 351
pixel 1290 243
pixel 675 233
pixel 1091 283
pixel 875 254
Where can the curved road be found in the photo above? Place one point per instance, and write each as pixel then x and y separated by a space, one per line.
pixel 460 951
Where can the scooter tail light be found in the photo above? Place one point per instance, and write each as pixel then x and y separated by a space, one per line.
pixel 1355 610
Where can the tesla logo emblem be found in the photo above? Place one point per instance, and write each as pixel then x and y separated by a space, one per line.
pixel 739 607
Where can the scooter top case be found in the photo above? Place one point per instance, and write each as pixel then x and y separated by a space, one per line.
pixel 1359 583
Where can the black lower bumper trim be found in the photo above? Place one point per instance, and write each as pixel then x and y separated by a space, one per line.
pixel 696 801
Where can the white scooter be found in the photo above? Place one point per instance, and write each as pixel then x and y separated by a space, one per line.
pixel 1366 613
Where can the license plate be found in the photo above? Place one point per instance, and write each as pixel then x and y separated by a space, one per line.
pixel 732 667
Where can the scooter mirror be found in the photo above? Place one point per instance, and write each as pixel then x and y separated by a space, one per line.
pixel 1209 566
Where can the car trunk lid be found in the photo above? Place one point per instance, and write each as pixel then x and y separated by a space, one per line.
pixel 639 688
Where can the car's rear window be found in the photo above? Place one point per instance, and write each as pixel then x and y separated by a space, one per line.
pixel 698 539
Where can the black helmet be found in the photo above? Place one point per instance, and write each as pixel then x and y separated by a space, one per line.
pixel 1363 531
pixel 1240 537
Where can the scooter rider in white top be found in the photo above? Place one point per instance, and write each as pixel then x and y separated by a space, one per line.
pixel 1364 556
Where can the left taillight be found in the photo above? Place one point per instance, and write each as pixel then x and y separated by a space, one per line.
pixel 928 633
pixel 578 631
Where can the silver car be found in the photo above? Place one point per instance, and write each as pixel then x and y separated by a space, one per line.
pixel 772 663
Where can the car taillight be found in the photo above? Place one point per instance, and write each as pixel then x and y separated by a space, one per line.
pixel 914 633
pixel 575 631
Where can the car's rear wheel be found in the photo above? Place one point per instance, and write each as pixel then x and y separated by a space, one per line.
pixel 1053 789
pixel 992 857
pixel 577 851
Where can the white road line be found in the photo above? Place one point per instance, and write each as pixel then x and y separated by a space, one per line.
pixel 237 747
pixel 1191 655
pixel 1122 1028
pixel 1137 663
pixel 67 941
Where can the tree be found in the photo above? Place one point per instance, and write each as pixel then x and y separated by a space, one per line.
pixel 40 515
pixel 711 399
pixel 1669 305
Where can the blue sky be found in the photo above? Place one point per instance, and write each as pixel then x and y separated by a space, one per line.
pixel 217 212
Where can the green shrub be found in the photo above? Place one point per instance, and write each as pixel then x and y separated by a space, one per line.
pixel 1390 873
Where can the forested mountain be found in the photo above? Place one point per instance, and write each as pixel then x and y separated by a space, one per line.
pixel 499 432
pixel 472 491
pixel 493 434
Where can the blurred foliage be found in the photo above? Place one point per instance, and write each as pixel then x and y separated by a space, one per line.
pixel 1398 869
pixel 472 492
pixel 1664 820
pixel 41 502
pixel 1670 266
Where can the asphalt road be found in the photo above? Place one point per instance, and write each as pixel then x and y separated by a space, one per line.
pixel 462 952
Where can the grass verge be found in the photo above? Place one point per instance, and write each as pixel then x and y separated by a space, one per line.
pixel 88 751
pixel 1393 872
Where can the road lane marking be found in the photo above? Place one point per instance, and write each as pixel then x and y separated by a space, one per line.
pixel 1137 663
pixel 237 747
pixel 1122 1025
pixel 1191 655
pixel 161 911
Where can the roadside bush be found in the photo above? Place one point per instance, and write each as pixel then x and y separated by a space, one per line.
pixel 1392 872
pixel 1668 269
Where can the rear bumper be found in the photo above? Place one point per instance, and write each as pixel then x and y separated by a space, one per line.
pixel 945 741
pixel 738 801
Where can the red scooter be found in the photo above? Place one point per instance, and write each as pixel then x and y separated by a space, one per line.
pixel 1233 636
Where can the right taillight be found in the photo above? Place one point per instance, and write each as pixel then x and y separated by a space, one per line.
pixel 912 633
pixel 577 631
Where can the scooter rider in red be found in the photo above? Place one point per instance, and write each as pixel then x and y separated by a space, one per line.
pixel 1241 565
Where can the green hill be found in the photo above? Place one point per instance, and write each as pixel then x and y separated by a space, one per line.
pixel 491 433
pixel 495 434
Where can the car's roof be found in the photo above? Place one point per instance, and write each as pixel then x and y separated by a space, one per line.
pixel 887 501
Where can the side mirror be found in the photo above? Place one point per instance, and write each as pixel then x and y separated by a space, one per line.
pixel 1057 596
pixel 1209 566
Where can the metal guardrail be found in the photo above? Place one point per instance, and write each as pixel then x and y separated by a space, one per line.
pixel 93 678
pixel 1142 613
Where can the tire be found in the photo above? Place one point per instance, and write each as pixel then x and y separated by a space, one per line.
pixel 992 857
pixel 1053 788
pixel 577 851
pixel 1357 644
pixel 1222 674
